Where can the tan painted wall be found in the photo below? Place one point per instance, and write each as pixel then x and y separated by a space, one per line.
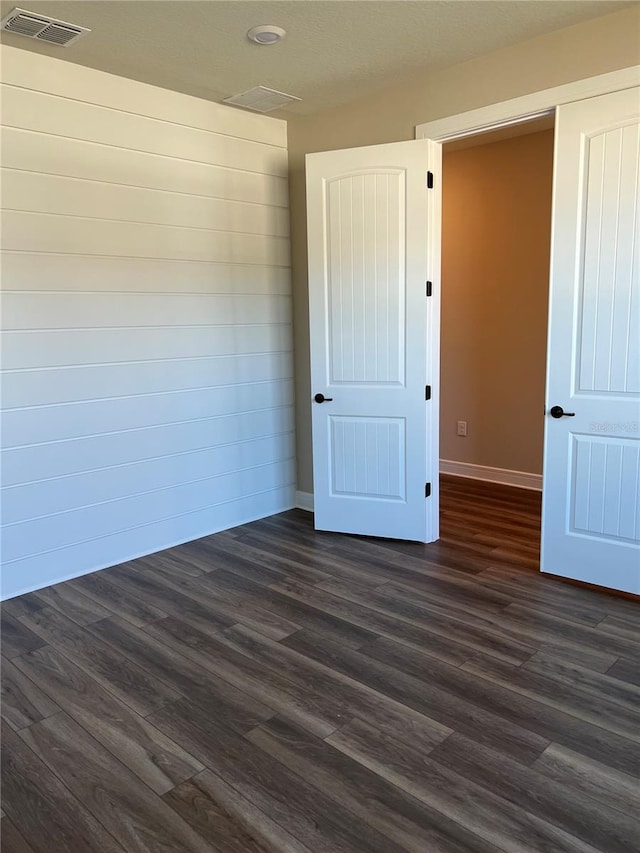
pixel 595 47
pixel 496 218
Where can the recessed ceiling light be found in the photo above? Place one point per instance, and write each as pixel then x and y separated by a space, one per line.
pixel 266 34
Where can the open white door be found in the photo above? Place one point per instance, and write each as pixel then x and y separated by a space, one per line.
pixel 374 237
pixel 591 506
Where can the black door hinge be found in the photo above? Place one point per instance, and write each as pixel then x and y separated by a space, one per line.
pixel 429 180
pixel 427 392
pixel 427 490
pixel 429 288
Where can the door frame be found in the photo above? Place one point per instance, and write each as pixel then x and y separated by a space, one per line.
pixel 521 110
pixel 525 108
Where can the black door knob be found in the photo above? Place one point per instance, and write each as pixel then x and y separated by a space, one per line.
pixel 559 412
pixel 320 398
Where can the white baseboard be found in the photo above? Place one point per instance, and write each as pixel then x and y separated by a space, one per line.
pixel 521 479
pixel 304 500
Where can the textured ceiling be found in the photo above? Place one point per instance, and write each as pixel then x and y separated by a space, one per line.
pixel 334 52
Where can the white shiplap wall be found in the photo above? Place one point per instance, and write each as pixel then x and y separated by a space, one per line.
pixel 146 313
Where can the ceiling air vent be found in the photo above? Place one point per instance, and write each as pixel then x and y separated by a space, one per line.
pixel 42 28
pixel 261 100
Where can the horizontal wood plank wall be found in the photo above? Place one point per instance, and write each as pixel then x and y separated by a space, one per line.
pixel 146 312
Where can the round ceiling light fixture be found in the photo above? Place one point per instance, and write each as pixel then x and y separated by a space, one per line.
pixel 266 34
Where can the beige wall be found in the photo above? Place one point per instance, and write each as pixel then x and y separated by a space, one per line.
pixel 496 221
pixel 595 47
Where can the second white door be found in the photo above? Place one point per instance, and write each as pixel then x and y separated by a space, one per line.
pixel 591 501
pixel 373 241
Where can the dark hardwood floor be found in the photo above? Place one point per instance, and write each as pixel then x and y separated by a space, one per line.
pixel 271 688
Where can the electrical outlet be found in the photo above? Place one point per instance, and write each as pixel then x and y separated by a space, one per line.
pixel 462 428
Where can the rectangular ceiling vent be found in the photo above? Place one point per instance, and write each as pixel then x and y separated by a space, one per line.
pixel 261 99
pixel 42 28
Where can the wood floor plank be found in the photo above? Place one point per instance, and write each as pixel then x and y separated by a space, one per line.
pixel 582 702
pixel 214 695
pixel 43 809
pixel 158 761
pixel 434 560
pixel 495 692
pixel 530 631
pixel 22 605
pixel 326 564
pixel 413 825
pixel 428 699
pixel 493 818
pixel 461 594
pixel 446 555
pixel 211 820
pixel 306 562
pixel 522 556
pixel 297 526
pixel 476 599
pixel 23 702
pixel 587 658
pixel 231 562
pixel 593 822
pixel 384 563
pixel 312 710
pixel 136 688
pixel 609 689
pixel 178 561
pixel 139 584
pixel 404 622
pixel 318 822
pixel 10 839
pixel 98 587
pixel 436 613
pixel 16 638
pixel 133 814
pixel 296 611
pixel 229 605
pixel 621 626
pixel 553 628
pixel 72 603
pixel 560 592
pixel 350 697
pixel 543 597
pixel 220 813
pixel 274 560
pixel 625 670
pixel 595 781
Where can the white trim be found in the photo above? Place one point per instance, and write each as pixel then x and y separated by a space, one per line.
pixel 304 500
pixel 520 479
pixel 526 107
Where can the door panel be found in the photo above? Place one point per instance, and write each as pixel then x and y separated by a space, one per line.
pixel 604 481
pixel 591 509
pixel 609 358
pixel 367 457
pixel 365 215
pixel 371 345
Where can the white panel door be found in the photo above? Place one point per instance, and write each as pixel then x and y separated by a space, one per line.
pixel 374 339
pixel 591 506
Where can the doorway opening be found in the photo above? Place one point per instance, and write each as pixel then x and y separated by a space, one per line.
pixel 496 230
